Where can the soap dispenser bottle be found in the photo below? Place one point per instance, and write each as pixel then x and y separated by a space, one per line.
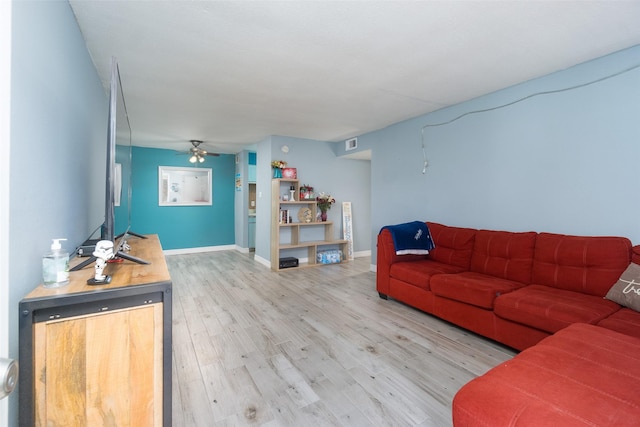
pixel 55 266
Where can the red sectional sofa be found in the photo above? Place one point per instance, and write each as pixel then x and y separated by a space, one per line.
pixel 584 375
pixel 538 292
pixel 515 288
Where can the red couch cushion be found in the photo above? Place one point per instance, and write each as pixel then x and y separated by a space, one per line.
pixel 589 265
pixel 472 288
pixel 635 254
pixel 583 375
pixel 419 273
pixel 504 254
pixel 453 244
pixel 550 309
pixel 626 321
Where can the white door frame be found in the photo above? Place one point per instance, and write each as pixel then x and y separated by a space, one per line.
pixel 5 120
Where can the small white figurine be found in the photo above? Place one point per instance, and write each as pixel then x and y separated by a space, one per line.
pixel 103 253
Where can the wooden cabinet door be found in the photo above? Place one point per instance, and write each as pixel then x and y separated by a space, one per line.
pixel 100 369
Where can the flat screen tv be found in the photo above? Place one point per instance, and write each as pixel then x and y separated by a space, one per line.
pixel 118 175
pixel 118 185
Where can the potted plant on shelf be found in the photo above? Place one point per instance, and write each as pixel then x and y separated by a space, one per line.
pixel 277 166
pixel 324 204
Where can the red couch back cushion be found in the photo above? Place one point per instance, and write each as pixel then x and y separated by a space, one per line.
pixel 587 264
pixel 504 254
pixel 635 254
pixel 453 244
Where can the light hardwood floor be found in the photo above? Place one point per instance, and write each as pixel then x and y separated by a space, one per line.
pixel 310 347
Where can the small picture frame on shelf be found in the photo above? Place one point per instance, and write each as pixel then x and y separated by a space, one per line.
pixel 290 173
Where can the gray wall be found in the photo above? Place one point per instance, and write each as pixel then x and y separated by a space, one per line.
pixel 564 162
pixel 5 143
pixel 318 166
pixel 58 145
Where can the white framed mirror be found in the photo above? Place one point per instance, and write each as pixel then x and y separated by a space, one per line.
pixel 184 186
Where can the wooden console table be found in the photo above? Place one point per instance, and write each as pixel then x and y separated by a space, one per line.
pixel 99 355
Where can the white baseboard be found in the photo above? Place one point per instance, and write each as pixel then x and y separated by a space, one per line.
pixel 361 254
pixel 262 261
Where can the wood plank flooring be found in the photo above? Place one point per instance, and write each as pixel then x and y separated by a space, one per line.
pixel 311 347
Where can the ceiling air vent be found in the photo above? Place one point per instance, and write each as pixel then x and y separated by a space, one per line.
pixel 351 144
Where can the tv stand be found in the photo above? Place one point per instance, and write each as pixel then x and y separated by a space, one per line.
pixel 118 254
pixel 132 233
pixel 89 245
pixel 106 351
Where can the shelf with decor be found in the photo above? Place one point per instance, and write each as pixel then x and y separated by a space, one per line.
pixel 296 232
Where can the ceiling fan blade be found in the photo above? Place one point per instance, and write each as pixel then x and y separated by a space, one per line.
pixel 198 150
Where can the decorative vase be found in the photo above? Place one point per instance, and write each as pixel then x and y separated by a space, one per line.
pixel 277 173
pixel 323 216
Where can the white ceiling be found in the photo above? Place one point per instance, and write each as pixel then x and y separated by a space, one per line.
pixel 234 72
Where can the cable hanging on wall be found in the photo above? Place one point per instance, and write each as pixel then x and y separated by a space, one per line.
pixel 508 104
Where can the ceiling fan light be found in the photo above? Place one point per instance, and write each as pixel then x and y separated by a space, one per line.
pixel 193 159
pixel 200 159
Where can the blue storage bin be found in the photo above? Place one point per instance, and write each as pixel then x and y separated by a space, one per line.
pixel 333 256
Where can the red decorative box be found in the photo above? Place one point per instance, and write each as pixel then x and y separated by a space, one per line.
pixel 290 173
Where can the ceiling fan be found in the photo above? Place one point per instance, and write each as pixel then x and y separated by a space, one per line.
pixel 198 154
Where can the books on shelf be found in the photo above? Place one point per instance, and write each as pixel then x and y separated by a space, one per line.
pixel 285 216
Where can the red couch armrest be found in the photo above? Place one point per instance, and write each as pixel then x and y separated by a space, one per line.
pixel 386 257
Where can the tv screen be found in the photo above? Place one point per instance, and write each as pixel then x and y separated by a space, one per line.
pixel 117 200
pixel 118 186
pixel 117 215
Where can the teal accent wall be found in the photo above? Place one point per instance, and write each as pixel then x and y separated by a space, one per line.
pixel 182 227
